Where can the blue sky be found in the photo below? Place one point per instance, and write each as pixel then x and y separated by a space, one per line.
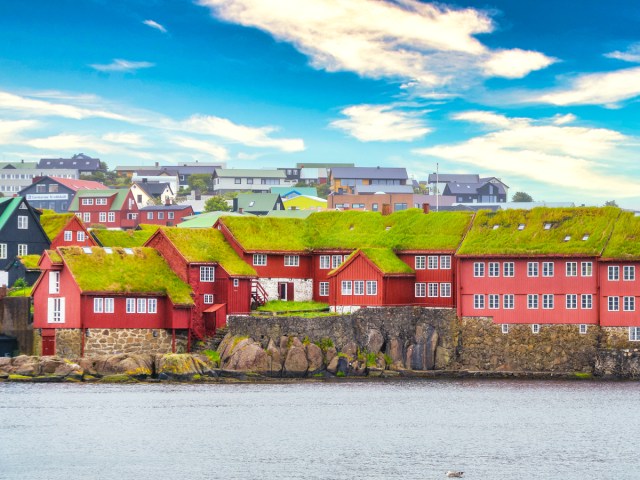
pixel 541 94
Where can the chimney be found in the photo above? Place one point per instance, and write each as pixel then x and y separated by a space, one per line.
pixel 167 200
pixel 386 209
pixel 197 194
pixel 157 164
pixel 240 210
pixel 425 208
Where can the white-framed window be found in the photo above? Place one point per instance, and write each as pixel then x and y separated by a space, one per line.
pixel 170 215
pixel 532 301
pixel 478 301
pixel 23 249
pixel 131 305
pixel 613 273
pixel 582 328
pixel 347 287
pixel 208 299
pixel 629 273
pixel 87 201
pixel 372 287
pixel 421 289
pixel 102 217
pixel 494 301
pixel 68 235
pixel 508 269
pixel 586 269
pixel 508 301
pixel 504 328
pixel 547 301
pixel 86 217
pixel 478 269
pixel 109 305
pixel 421 262
pixel 54 282
pixel 207 274
pixel 80 237
pixel 547 269
pixel 160 215
pixel 571 301
pixel 324 289
pixel 494 269
pixel 142 305
pixel 535 328
pixel 55 312
pixel 292 260
pixel 614 304
pixel 533 269
pixel 445 262
pixel 98 305
pixel 432 289
pixel 432 262
pixel 236 282
pixel 358 287
pixel 336 261
pixel 572 269
pixel 586 301
pixel 325 262
pixel 101 201
pixel 259 259
pixel 23 222
pixel 111 217
pixel 3 250
pixel 445 289
pixel 634 334
pixel 629 304
pixel 346 257
pixel 149 215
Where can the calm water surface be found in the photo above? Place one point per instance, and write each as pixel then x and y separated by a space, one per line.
pixel 347 430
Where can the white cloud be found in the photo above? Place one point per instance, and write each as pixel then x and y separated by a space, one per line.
pixel 429 44
pixel 216 151
pixel 156 25
pixel 120 65
pixel 10 129
pixel 574 158
pixel 632 54
pixel 370 123
pixel 126 138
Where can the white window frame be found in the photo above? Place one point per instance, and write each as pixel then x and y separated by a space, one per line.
pixel 586 301
pixel 80 236
pixel 432 262
pixel 292 260
pixel 533 301
pixel 152 305
pixel 634 334
pixel 613 273
pixel 494 269
pixel 23 249
pixel 68 236
pixel 628 273
pixel 571 301
pixel 533 269
pixel 131 305
pixel 141 305
pixel 421 262
pixel 54 282
pixel 323 289
pixel 207 274
pixel 236 282
pixel 102 217
pixel 420 290
pixel 628 304
pixel 494 301
pixel 478 269
pixel 582 329
pixel 109 305
pixel 86 217
pixel 87 201
pixel 358 287
pixel 111 217
pixel 101 201
pixel 432 289
pixel 508 269
pixel 586 269
pixel 504 328
pixel 445 262
pixel 547 269
pixel 548 301
pixel 508 301
pixel 346 287
pixel 149 215
pixel 98 305
pixel 372 287
pixel 445 290
pixel 571 269
pixel 535 328
pixel 56 310
pixel 259 259
pixel 613 304
pixel 325 262
pixel 478 301
pixel 207 299
pixel 336 261
pixel 3 250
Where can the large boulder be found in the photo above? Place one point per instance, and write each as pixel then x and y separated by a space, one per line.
pixel 135 365
pixel 25 365
pixel 395 351
pixel 182 366
pixel 275 359
pixel 315 358
pixel 248 356
pixel 375 341
pixel 296 364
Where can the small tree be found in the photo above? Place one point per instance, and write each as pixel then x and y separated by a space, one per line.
pixel 20 284
pixel 610 203
pixel 200 181
pixel 521 197
pixel 216 204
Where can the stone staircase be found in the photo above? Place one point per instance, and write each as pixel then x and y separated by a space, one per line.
pixel 215 341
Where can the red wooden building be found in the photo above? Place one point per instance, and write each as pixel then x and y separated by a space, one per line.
pixel 115 208
pixel 66 230
pixel 166 215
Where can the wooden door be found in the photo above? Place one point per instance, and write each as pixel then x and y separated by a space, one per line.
pixel 48 346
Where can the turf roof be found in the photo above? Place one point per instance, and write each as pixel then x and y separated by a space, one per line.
pixel 498 233
pixel 624 243
pixel 268 233
pixel 54 223
pixel 30 262
pixel 124 238
pixel 386 261
pixel 208 245
pixel 143 271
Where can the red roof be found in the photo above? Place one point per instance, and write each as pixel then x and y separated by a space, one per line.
pixel 76 185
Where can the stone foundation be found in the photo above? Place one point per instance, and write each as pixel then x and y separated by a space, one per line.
pixel 302 288
pixel 617 338
pixel 68 342
pixel 126 340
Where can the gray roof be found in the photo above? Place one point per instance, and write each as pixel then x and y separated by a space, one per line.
pixel 370 172
pixel 383 188
pixel 154 189
pixel 256 202
pixel 249 173
pixel 469 188
pixel 182 206
pixel 454 177
pixel 156 172
pixel 78 162
pixel 195 169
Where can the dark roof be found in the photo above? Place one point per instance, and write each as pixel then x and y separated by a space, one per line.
pixel 454 177
pixel 156 172
pixel 78 162
pixel 456 188
pixel 165 207
pixel 383 188
pixel 154 189
pixel 369 172
pixel 195 169
pixel 323 165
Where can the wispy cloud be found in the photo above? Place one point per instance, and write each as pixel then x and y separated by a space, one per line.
pixel 515 63
pixel 120 65
pixel 631 54
pixel 381 123
pixel 10 129
pixel 216 151
pixel 156 25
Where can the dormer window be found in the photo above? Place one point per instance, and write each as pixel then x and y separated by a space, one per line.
pixel 547 226
pixel 567 238
pixel 87 250
pixel 128 251
pixel 585 237
pixel 495 227
pixel 108 250
pixel 521 226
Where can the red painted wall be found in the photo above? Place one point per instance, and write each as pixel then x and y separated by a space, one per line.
pixel 74 227
pixel 438 275
pixel 275 267
pixel 620 288
pixel 321 275
pixel 358 269
pixel 143 216
pixel 120 318
pixel 71 293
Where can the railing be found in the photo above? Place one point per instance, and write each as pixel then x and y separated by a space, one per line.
pixel 258 293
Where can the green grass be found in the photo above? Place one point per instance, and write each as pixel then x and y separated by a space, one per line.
pixel 53 223
pixel 213 356
pixel 30 262
pixel 283 306
pixel 386 260
pixel 125 238
pixel 624 243
pixel 268 233
pixel 20 292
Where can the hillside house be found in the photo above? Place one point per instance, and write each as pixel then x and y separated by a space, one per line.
pixel 115 208
pixel 66 230
pixel 346 179
pixel 247 180
pixel 84 164
pixel 152 193
pixel 257 203
pixel 54 193
pixel 166 215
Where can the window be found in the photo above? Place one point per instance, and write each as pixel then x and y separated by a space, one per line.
pixel 547 269
pixel 634 334
pixel 586 269
pixel 421 289
pixel 207 274
pixel 478 301
pixel 41 189
pixel 249 181
pixel 433 289
pixel 23 249
pixel 582 328
pixel 98 305
pixel 508 301
pixel 372 287
pixel 80 236
pixel 131 305
pixel 3 250
pixel 208 299
pixel 346 287
pixel 259 259
pixel 614 304
pixel 532 301
pixel 291 260
pixel 629 304
pixel 170 215
pixel 535 328
pixel 87 201
pixel 494 269
pixel 56 310
pixel 508 269
pixel 54 282
pixel 420 262
pixel 236 282
pixel 374 207
pixel 399 206
pixel 432 263
pixel 494 301
pixel 547 301
pixel 586 301
pixel 324 289
pixel 336 261
pixel 160 215
pixel 445 289
pixel 445 262
pixel 614 273
pixel 101 201
pixel 23 222
pixel 571 301
pixel 505 328
pixel 108 305
pixel 325 262
pixel 358 287
pixel 102 217
pixel 86 217
pixel 237 181
pixel 628 273
pixel 478 269
pixel 68 235
pixel 142 305
pixel 111 217
pixel 532 269
pixel 149 215
pixel 572 269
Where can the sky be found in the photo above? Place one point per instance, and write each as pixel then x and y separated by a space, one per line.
pixel 544 95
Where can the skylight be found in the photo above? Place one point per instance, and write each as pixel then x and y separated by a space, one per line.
pixel 128 251
pixel 108 250
pixel 585 237
pixel 521 226
pixel 252 203
pixel 567 238
pixel 547 226
pixel 87 250
pixel 495 227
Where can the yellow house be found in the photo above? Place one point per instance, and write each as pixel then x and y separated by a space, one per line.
pixel 305 202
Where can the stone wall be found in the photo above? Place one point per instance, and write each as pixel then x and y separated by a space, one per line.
pixel 617 338
pixel 68 342
pixel 15 321
pixel 127 340
pixel 302 288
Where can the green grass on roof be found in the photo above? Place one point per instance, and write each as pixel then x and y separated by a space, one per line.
pixel 53 224
pixel 268 233
pixel 125 238
pixel 386 260
pixel 534 239
pixel 624 243
pixel 54 256
pixel 30 262
pixel 145 271
pixel 208 245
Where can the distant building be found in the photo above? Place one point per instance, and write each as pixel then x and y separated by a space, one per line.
pixel 374 201
pixel 152 193
pixel 115 208
pixel 247 180
pixel 16 176
pixel 55 193
pixel 81 162
pixel 257 203
pixel 167 215
pixel 288 193
pixel 346 180
pixel 469 188
pixel 162 175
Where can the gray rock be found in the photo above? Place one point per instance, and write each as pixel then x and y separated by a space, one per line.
pixel 249 357
pixel 375 340
pixel 332 367
pixel 315 358
pixel 296 364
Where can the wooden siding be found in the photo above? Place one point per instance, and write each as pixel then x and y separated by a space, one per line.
pixel 619 288
pixel 432 275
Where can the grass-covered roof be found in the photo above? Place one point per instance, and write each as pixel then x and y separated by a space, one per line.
pixel 624 243
pixel 268 233
pixel 208 245
pixel 124 238
pixel 386 261
pixel 143 271
pixel 53 223
pixel 540 231
pixel 30 262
